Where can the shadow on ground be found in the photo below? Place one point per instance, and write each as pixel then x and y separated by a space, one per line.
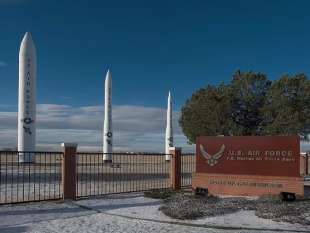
pixel 13 229
pixel 42 211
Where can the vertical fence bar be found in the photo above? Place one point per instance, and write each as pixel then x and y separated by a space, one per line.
pixel 34 178
pixel 78 175
pixel 144 170
pixel 98 174
pixel 94 174
pixel 88 167
pixel 59 175
pixel 103 183
pixel 49 176
pixel 307 162
pixel 0 177
pixel 182 169
pixel 55 176
pixel 110 175
pixel 91 176
pixel 156 172
pixel 12 181
pixel 40 174
pixel 6 175
pixel 44 174
pixel 28 187
pixel 152 168
pixel 135 171
pixel 123 165
pixel 84 177
pixel 162 171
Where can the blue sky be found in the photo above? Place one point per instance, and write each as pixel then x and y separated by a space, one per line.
pixel 150 47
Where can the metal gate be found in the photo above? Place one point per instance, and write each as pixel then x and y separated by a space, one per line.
pixel 27 182
pixel 188 167
pixel 128 172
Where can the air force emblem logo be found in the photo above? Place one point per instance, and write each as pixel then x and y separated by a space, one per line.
pixel 212 159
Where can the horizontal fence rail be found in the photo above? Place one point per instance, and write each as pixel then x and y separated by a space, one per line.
pixel 128 172
pixel 188 166
pixel 35 181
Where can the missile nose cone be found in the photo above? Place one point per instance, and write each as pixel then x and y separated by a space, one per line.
pixel 27 46
pixel 27 36
pixel 108 77
pixel 27 39
pixel 169 97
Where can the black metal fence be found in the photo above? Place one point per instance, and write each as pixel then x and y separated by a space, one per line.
pixel 25 182
pixel 188 166
pixel 128 172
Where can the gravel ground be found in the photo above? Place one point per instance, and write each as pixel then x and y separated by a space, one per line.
pixel 49 217
pixel 106 223
pixel 190 206
pixel 125 213
pixel 137 206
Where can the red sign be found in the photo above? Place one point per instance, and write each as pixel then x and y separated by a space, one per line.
pixel 249 155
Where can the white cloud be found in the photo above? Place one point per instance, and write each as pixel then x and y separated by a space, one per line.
pixel 2 64
pixel 136 128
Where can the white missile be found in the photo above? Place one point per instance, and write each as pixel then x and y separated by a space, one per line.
pixel 107 127
pixel 27 99
pixel 169 132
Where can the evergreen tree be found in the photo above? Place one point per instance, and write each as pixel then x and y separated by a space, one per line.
pixel 248 97
pixel 249 105
pixel 287 107
pixel 207 113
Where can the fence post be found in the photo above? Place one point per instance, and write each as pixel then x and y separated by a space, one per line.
pixel 69 170
pixel 175 173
